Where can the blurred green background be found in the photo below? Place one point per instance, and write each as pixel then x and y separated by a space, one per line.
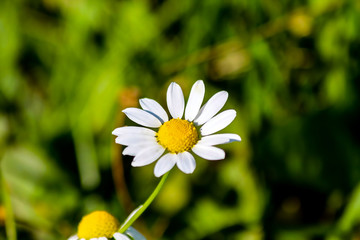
pixel 292 70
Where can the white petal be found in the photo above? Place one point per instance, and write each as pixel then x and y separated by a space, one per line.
pixel 132 232
pixel 129 139
pixel 142 117
pixel 148 155
pixel 209 152
pixel 219 139
pixel 74 237
pixel 119 236
pixel 212 107
pixel 82 239
pixel 132 150
pixel 175 100
pixel 186 162
pixel 195 100
pixel 154 107
pixel 218 122
pixel 133 130
pixel 129 151
pixel 94 239
pixel 102 238
pixel 164 164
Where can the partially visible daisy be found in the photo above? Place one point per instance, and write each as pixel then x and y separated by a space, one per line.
pixel 98 225
pixel 178 136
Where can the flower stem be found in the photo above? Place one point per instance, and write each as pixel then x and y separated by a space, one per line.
pixel 138 211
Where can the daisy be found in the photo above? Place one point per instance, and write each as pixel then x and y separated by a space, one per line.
pixel 100 225
pixel 172 140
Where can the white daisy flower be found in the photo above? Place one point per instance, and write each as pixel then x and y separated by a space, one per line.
pixel 172 141
pixel 101 225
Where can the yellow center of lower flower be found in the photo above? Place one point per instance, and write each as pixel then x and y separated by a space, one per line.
pixel 177 135
pixel 97 224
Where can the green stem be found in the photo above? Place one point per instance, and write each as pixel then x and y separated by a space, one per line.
pixel 137 212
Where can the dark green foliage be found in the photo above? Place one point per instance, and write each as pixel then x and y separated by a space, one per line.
pixel 292 70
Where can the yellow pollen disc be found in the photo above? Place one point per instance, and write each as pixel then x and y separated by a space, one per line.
pixel 177 135
pixel 97 224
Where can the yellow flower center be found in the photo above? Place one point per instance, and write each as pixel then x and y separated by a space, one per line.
pixel 177 135
pixel 97 224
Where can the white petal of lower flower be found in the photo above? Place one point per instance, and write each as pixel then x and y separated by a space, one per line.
pixel 142 117
pixel 195 100
pixel 154 107
pixel 212 107
pixel 218 122
pixel 186 162
pixel 165 163
pixel 209 152
pixel 131 139
pixel 132 232
pixel 219 139
pixel 95 238
pixel 147 156
pixel 175 100
pixel 102 238
pixel 133 130
pixel 132 150
pixel 74 237
pixel 119 236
